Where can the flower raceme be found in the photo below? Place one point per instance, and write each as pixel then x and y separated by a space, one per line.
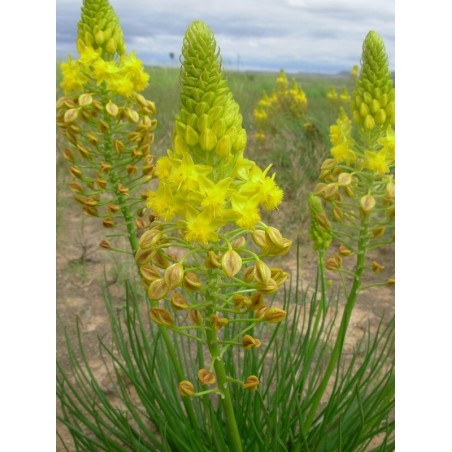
pixel 284 99
pixel 196 259
pixel 107 122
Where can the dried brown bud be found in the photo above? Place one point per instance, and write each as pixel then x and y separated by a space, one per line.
pixel 195 316
pixel 213 260
pixel 191 281
pixel 206 378
pixel 250 342
pixel 344 251
pixel 186 389
pixel 75 171
pixel 252 382
pixel 179 302
pixel 378 231
pixel 105 245
pixel 161 316
pixel 241 301
pixel 376 267
pixel 218 322
pixel 108 223
pixel 140 223
pixel 274 315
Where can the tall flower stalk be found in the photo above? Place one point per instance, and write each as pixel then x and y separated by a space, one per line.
pixel 353 205
pixel 203 258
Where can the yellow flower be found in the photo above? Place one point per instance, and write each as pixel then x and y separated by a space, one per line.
pixel 104 70
pixel 201 228
pixel 388 143
pixel 214 195
pixel 377 161
pixel 73 77
pixel 246 210
pixel 343 153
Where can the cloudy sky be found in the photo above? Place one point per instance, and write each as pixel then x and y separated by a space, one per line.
pixel 296 35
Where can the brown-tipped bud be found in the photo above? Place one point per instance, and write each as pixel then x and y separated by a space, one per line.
pixel 68 155
pixel 179 302
pixel 149 273
pixel 118 146
pixel 218 322
pixel 108 223
pixel 123 189
pixel 367 203
pixel 241 301
pixel 256 301
pixel 337 213
pixel 248 274
pixel 113 208
pixel 142 257
pixel 344 251
pixel 280 277
pixel 150 238
pixel 274 237
pixel 158 289
pixel 206 378
pixel 131 169
pixel 212 260
pixel 252 382
pixel 262 272
pixel 195 316
pixel 334 263
pixel 161 316
pixel 75 188
pixel 259 238
pixel 132 115
pixel 328 164
pixel 323 221
pixel 250 342
pixel 71 115
pixel 378 231
pixel 191 281
pixel 105 245
pixel 101 183
pixel 344 179
pixel 376 267
pixel 140 223
pixel 91 211
pixel 83 151
pixel 103 126
pixel 161 260
pixel 112 109
pixel 330 191
pixel 239 242
pixel 174 275
pixel 186 388
pixel 85 99
pixel 259 314
pixel 75 171
pixel 231 262
pixel 269 288
pixel 274 315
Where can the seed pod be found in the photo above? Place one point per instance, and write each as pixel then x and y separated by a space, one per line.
pixel 231 262
pixel 174 274
pixel 206 378
pixel 252 382
pixel 186 389
pixel 218 322
pixel 179 302
pixel 158 289
pixel 274 315
pixel 195 316
pixel 250 342
pixel 161 316
pixel 191 282
pixel 262 272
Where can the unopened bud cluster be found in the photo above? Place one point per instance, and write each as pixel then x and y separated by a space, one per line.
pixel 343 99
pixel 284 100
pixel 109 126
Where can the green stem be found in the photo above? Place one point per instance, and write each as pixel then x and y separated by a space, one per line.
pixel 223 388
pixel 338 346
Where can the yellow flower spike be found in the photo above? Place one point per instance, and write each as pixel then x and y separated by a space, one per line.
pixel 99 28
pixel 206 378
pixel 161 316
pixel 250 342
pixel 186 388
pixel 252 382
pixel 373 98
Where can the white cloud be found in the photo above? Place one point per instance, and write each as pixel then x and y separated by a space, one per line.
pixel 297 35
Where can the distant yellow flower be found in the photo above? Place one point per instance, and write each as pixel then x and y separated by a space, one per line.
pixel 73 77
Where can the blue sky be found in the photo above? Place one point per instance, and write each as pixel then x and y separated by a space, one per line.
pixel 296 35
